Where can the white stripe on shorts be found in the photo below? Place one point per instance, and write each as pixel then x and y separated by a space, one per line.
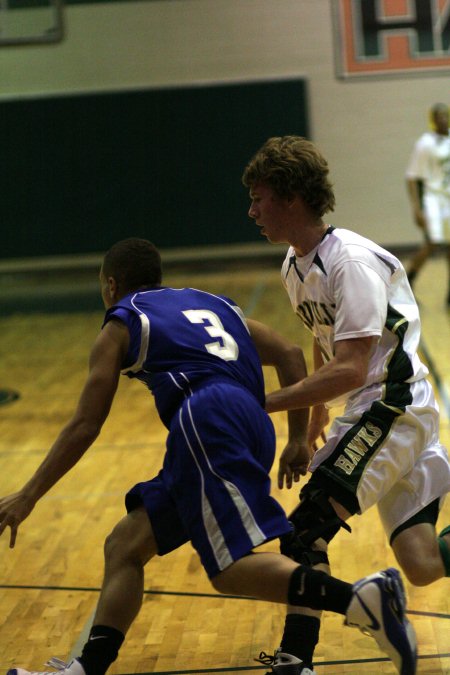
pixel 214 533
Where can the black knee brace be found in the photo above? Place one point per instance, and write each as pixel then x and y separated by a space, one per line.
pixel 314 518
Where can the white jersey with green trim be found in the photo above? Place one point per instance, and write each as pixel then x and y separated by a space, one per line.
pixel 430 162
pixel 349 287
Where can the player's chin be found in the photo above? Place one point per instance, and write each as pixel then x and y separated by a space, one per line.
pixel 267 236
pixel 270 238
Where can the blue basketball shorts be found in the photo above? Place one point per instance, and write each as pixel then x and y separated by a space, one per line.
pixel 214 487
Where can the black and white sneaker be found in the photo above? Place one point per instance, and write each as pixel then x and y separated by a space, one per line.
pixel 284 664
pixel 62 668
pixel 378 609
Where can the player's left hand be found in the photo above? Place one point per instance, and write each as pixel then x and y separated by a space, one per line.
pixel 294 462
pixel 13 510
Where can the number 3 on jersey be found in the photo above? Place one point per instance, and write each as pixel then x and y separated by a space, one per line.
pixel 227 349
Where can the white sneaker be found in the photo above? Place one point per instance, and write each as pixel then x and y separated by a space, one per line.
pixel 284 664
pixel 378 609
pixel 72 668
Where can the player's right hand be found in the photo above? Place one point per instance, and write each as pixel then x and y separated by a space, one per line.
pixel 293 463
pixel 13 510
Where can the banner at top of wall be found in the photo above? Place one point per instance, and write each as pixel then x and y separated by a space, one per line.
pixel 387 37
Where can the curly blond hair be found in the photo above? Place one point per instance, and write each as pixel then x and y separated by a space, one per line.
pixel 292 165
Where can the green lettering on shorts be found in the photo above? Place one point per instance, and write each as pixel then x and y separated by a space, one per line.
pixel 359 445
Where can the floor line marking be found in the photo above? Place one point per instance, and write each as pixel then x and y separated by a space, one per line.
pixel 92 589
pixel 238 669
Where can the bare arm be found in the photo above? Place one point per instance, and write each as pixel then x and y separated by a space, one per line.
pixel 275 350
pixel 289 362
pixel 319 414
pixel 80 432
pixel 347 370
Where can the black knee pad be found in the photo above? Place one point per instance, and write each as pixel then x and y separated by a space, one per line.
pixel 313 519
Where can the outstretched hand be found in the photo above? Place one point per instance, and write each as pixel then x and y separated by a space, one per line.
pixel 294 462
pixel 13 510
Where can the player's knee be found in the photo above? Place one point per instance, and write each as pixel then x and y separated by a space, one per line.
pixel 418 573
pixel 418 565
pixel 315 523
pixel 131 540
pixel 111 546
pixel 424 569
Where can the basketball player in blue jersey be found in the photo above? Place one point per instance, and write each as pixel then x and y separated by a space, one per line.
pixel 384 449
pixel 194 351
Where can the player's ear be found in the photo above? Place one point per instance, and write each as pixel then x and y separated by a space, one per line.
pixel 291 200
pixel 112 287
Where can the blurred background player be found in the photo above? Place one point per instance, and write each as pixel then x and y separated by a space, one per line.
pixel 428 182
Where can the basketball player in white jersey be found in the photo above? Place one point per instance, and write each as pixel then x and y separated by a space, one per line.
pixel 384 449
pixel 428 183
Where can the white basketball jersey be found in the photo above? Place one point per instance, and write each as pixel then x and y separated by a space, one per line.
pixel 430 162
pixel 349 287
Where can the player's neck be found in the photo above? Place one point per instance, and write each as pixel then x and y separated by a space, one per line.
pixel 309 238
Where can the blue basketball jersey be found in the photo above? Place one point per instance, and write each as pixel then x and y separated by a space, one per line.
pixel 181 340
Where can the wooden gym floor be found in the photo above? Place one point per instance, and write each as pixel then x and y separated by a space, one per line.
pixel 49 583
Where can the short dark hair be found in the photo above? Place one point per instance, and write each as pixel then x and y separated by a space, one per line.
pixel 292 165
pixel 439 107
pixel 134 263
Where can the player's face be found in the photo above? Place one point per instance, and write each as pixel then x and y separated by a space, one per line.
pixel 270 212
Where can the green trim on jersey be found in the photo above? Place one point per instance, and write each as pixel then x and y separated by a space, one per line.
pixel 400 366
pixel 359 445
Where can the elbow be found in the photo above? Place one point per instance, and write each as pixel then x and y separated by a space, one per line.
pixel 357 378
pixel 295 353
pixel 91 431
pixel 351 374
pixel 292 366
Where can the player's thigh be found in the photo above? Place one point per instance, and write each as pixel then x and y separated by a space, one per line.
pixel 428 481
pixel 417 552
